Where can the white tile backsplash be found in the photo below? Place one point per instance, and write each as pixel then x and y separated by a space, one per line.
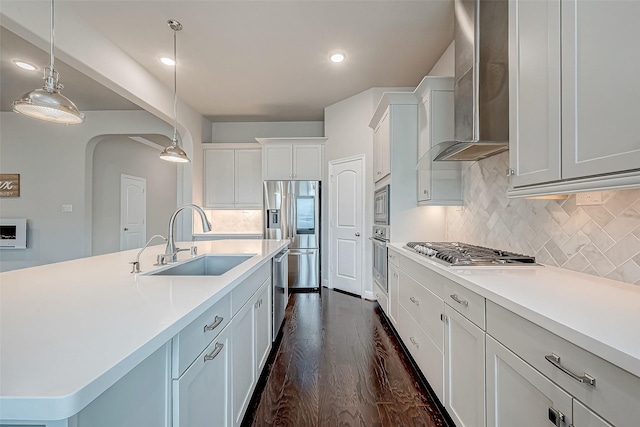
pixel 602 240
pixel 234 221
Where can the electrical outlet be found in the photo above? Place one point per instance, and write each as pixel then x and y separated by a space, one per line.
pixel 588 199
pixel 67 208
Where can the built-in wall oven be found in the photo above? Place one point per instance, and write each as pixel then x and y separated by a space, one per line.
pixel 379 239
pixel 381 206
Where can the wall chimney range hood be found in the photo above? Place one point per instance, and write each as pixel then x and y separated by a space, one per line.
pixel 481 91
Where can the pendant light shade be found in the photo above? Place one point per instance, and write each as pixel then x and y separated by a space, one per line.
pixel 48 103
pixel 174 153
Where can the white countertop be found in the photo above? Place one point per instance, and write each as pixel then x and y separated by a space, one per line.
pixel 230 233
pixel 70 330
pixel 600 315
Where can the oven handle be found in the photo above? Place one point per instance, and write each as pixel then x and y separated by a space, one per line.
pixel 378 242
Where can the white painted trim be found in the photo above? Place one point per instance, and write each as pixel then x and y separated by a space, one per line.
pixel 147 142
pixel 293 140
pixel 332 164
pixel 230 145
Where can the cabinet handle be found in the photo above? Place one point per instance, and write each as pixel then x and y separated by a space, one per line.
pixel 414 300
pixel 214 353
pixel 216 322
pixel 556 417
pixel 414 342
pixel 554 359
pixel 459 301
pixel 444 318
pixel 395 275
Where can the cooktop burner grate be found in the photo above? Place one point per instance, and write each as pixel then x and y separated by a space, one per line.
pixel 463 254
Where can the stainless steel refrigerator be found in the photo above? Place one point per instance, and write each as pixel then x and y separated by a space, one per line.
pixel 292 211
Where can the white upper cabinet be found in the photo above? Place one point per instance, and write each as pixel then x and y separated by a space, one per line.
pixel 439 183
pixel 299 159
pixel 233 177
pixel 381 148
pixel 574 88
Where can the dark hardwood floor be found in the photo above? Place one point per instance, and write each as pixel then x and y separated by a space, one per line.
pixel 338 364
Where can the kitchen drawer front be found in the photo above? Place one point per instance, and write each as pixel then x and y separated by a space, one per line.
pixel 583 417
pixel 392 256
pixel 190 342
pixel 616 391
pixel 423 275
pixel 241 293
pixel 427 355
pixel 382 298
pixel 466 302
pixel 424 307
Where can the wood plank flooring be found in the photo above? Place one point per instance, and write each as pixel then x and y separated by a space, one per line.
pixel 339 365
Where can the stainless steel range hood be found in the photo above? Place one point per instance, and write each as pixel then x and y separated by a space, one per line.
pixel 481 91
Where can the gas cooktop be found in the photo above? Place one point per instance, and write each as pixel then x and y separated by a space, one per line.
pixel 462 254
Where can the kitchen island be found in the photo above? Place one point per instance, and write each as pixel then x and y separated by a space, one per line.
pixel 71 330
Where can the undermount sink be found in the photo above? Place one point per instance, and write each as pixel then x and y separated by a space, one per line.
pixel 207 265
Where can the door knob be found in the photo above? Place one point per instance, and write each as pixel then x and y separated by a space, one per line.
pixel 126 229
pixel 357 234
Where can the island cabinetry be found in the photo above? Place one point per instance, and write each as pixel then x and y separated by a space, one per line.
pixel 393 281
pixel 140 398
pixel 573 108
pixel 250 345
pixel 299 159
pixel 593 382
pixel 202 394
pixel 233 176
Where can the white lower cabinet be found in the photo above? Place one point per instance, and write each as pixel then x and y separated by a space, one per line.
pixel 381 297
pixel 518 395
pixel 201 395
pixel 393 282
pixel 584 417
pixel 250 346
pixel 464 355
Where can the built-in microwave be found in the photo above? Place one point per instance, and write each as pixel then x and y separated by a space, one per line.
pixel 381 206
pixel 13 233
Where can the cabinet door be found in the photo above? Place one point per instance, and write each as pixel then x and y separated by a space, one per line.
pixel 277 162
pixel 263 325
pixel 464 370
pixel 201 396
pixel 394 291
pixel 534 91
pixel 382 147
pixel 219 178
pixel 584 417
pixel 248 179
pixel 307 162
pixel 424 145
pixel 518 395
pixel 600 87
pixel 243 373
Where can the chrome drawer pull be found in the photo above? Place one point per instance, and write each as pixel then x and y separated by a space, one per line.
pixel 415 301
pixel 554 359
pixel 216 322
pixel 414 342
pixel 214 353
pixel 556 417
pixel 459 301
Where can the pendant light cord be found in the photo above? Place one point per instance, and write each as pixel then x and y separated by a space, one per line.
pixel 52 34
pixel 175 90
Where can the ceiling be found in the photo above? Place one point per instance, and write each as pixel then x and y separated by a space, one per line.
pixel 261 60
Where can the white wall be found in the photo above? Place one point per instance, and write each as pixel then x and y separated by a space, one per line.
pixel 118 155
pixel 446 64
pixel 55 167
pixel 234 132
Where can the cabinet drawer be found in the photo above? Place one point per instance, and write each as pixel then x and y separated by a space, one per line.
pixel 382 298
pixel 465 302
pixel 393 257
pixel 424 307
pixel 616 391
pixel 423 275
pixel 190 342
pixel 427 355
pixel 241 293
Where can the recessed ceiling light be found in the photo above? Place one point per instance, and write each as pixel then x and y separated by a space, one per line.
pixel 167 61
pixel 337 56
pixel 25 65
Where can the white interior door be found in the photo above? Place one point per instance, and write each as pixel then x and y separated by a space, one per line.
pixel 133 212
pixel 346 222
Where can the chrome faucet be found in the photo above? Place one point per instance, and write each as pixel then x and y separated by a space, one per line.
pixel 171 252
pixel 136 263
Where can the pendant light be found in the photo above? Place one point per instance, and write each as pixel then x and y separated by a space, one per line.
pixel 174 153
pixel 48 103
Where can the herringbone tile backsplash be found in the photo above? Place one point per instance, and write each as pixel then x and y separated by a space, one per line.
pixel 601 240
